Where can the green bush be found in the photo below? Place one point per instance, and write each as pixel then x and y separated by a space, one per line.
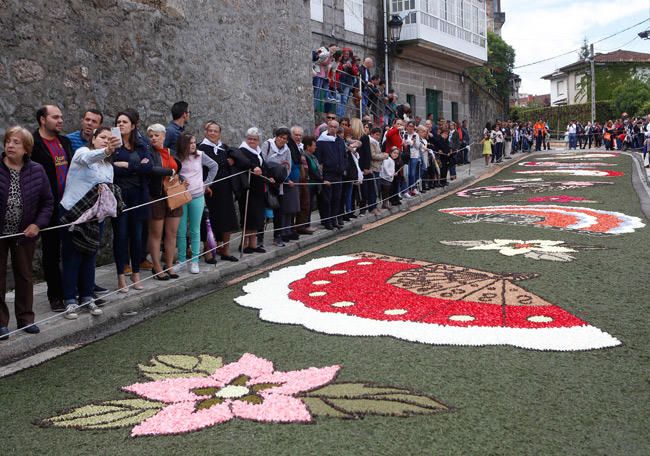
pixel 558 117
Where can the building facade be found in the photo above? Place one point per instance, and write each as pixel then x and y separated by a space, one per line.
pixel 566 85
pixel 439 40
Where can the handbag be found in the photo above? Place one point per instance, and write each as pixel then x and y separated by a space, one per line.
pixel 272 200
pixel 177 194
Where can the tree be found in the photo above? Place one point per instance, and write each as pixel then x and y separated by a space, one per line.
pixel 584 52
pixel 495 75
pixel 633 96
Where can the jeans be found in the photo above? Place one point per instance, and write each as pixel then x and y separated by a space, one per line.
pixel 498 151
pixel 127 233
pixel 538 142
pixel 194 212
pixel 414 171
pixel 345 95
pixel 78 270
pixel 573 140
pixel 320 91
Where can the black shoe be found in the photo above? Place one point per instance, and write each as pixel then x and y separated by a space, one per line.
pixel 98 301
pixel 353 216
pixel 4 331
pixel 211 260
pixel 286 239
pixel 172 275
pixel 160 275
pixel 293 236
pixel 259 250
pixel 229 258
pixel 100 290
pixel 328 227
pixel 57 305
pixel 30 329
pixel 346 218
pixel 249 250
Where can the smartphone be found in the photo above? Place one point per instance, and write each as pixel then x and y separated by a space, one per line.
pixel 115 131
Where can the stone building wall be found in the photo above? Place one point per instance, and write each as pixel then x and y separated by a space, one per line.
pixel 415 78
pixel 241 62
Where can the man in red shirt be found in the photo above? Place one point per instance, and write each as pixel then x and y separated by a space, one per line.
pixel 53 151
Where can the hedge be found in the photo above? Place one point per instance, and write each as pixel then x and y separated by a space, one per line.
pixel 558 117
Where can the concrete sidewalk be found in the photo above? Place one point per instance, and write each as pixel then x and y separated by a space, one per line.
pixel 59 335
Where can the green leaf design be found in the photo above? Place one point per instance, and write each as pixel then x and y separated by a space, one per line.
pixel 355 400
pixel 176 366
pixel 107 415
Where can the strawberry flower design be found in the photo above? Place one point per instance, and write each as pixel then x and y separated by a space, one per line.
pixel 511 247
pixel 248 389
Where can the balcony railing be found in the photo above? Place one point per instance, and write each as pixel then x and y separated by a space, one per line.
pixel 458 25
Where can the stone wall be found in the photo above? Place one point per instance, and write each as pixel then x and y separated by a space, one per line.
pixel 241 62
pixel 483 108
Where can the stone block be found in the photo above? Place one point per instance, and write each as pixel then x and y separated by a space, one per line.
pixel 25 71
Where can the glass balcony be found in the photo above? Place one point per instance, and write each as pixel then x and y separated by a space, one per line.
pixel 456 26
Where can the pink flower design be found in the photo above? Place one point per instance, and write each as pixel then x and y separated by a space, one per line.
pixel 556 199
pixel 249 389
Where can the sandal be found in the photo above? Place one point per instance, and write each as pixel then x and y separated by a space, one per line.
pixel 159 275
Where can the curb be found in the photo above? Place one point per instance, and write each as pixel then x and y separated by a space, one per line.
pixel 124 311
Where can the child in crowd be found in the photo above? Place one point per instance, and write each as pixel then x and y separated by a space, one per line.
pixel 386 176
pixel 487 148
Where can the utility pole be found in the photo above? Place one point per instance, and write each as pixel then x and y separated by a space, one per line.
pixel 592 61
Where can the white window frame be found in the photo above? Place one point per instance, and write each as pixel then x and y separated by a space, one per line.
pixel 353 16
pixel 316 7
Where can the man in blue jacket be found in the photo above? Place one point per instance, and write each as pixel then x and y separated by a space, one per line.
pixel 330 151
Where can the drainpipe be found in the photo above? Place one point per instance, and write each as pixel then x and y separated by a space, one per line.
pixel 388 87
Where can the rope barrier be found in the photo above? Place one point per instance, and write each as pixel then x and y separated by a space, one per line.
pixel 84 304
pixel 56 227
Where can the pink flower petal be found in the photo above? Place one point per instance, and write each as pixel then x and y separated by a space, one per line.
pixel 173 389
pixel 297 381
pixel 276 408
pixel 249 365
pixel 181 418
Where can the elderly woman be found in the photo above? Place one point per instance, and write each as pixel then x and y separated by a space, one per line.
pixel 132 164
pixel 90 174
pixel 193 161
pixel 276 153
pixel 26 206
pixel 162 218
pixel 219 199
pixel 252 202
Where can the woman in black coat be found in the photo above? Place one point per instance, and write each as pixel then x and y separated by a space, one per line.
pixel 252 200
pixel 219 198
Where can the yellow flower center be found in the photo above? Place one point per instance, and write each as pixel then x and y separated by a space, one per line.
pixel 232 392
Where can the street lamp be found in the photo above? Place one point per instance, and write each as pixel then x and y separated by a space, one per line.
pixel 392 32
pixel 394 29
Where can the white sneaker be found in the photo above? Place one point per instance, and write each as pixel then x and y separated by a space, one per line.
pixel 71 312
pixel 194 268
pixel 93 309
pixel 180 267
pixel 406 195
pixel 415 191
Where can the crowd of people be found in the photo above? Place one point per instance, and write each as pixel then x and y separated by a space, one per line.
pixel 620 134
pixel 164 187
pixel 64 187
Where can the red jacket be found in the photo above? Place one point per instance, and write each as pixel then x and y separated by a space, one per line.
pixel 393 139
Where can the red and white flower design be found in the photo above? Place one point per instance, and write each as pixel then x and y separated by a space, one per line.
pixel 420 302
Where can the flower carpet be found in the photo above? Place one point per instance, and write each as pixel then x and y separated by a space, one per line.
pixel 492 321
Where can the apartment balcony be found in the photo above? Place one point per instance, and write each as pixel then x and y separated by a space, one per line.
pixel 449 33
